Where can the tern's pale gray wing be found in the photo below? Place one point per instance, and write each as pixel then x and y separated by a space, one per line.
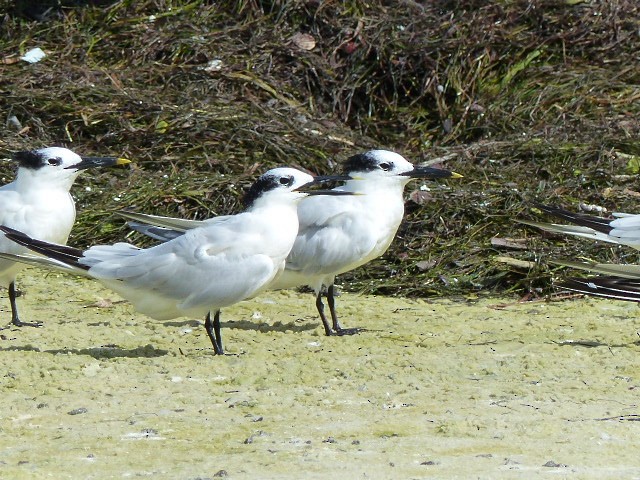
pixel 332 247
pixel 626 228
pixel 203 269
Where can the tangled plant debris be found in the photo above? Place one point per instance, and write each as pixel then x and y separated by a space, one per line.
pixel 527 99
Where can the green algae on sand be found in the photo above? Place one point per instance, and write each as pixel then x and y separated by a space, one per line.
pixel 441 389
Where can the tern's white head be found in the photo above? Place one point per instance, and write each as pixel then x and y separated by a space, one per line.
pixel 57 167
pixel 277 183
pixel 386 166
pixel 284 185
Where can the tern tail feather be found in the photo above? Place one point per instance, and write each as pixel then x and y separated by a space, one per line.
pixel 162 234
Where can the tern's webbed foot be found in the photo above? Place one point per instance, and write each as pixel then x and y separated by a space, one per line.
pixel 348 331
pixel 218 350
pixel 20 323
pixel 341 332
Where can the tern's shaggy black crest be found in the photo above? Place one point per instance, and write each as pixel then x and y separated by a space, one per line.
pixel 264 184
pixel 29 159
pixel 362 162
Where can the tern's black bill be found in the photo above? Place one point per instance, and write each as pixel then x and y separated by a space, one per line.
pixel 320 179
pixel 330 178
pixel 430 172
pixel 327 192
pixel 92 162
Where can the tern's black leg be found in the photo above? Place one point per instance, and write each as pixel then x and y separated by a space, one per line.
pixel 320 306
pixel 334 316
pixel 213 331
pixel 15 320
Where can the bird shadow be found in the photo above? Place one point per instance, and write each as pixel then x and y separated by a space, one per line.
pixel 293 326
pixel 99 353
pixel 248 325
pixel 184 323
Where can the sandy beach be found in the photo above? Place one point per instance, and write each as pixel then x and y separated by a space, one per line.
pixel 449 388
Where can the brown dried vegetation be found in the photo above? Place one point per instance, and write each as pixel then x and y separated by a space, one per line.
pixel 527 99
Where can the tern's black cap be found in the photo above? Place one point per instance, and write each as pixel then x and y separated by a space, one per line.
pixel 361 162
pixel 265 183
pixel 32 159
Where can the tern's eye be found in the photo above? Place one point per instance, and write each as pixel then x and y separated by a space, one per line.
pixel 286 181
pixel 55 161
pixel 386 166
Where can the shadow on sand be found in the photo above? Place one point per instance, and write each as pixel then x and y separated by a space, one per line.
pixel 99 353
pixel 292 326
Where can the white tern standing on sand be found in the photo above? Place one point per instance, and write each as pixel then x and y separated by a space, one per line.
pixel 38 203
pixel 207 268
pixel 344 233
pixel 336 234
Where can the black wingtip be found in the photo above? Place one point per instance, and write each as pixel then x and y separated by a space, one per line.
pixel 599 224
pixel 16 235
pixel 615 288
pixel 62 253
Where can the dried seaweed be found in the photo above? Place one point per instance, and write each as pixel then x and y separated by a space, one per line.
pixel 527 99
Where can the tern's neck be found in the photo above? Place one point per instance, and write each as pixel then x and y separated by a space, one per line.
pixel 28 179
pixel 278 225
pixel 275 209
pixel 393 186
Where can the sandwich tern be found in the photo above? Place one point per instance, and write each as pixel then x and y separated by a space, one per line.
pixel 336 234
pixel 345 233
pixel 38 203
pixel 220 263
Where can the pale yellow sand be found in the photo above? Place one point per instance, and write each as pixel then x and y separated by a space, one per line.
pixel 441 389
